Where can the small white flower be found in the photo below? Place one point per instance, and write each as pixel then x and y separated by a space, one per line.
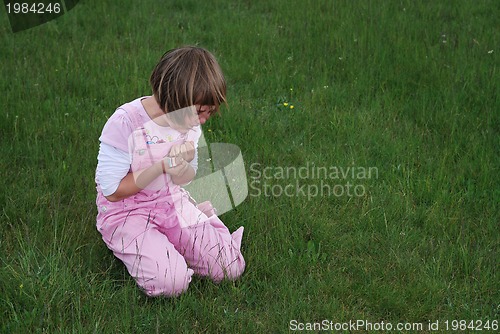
pixel 490 52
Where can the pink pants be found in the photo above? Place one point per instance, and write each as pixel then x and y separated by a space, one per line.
pixel 162 256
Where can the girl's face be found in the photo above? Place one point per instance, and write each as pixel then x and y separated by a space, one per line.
pixel 204 113
pixel 190 117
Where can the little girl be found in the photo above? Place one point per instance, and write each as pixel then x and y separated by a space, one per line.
pixel 148 150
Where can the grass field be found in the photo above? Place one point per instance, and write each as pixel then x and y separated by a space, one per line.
pixel 409 89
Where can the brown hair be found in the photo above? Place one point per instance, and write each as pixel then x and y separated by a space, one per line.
pixel 187 76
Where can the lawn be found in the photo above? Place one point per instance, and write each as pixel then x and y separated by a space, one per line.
pixel 370 133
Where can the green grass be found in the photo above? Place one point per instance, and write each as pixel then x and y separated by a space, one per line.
pixel 409 88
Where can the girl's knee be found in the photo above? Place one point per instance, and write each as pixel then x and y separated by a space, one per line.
pixel 235 270
pixel 167 285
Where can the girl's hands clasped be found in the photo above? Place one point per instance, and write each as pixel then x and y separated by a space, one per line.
pixel 174 166
pixel 185 150
pixel 177 161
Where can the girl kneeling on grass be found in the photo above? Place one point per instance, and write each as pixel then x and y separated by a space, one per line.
pixel 148 150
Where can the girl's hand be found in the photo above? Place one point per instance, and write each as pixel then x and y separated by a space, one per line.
pixel 175 166
pixel 185 151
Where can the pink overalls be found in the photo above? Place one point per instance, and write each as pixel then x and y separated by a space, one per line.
pixel 160 234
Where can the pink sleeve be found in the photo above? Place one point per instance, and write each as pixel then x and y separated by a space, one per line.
pixel 117 130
